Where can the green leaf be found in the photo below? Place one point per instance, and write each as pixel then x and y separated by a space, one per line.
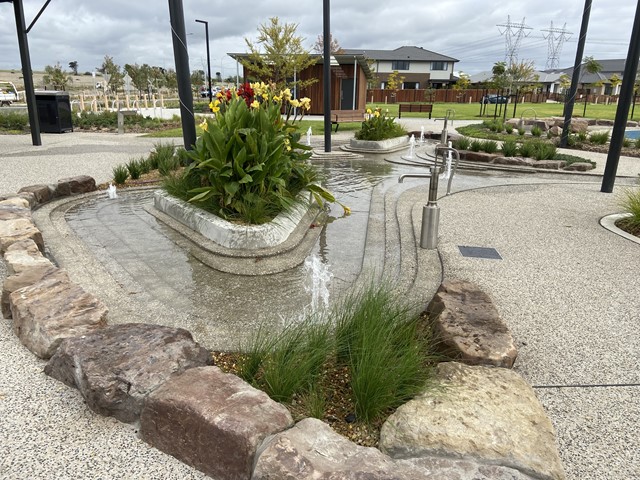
pixel 246 179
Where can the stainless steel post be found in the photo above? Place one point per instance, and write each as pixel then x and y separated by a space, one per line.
pixel 431 214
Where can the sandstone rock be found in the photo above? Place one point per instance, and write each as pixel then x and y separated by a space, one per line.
pixel 11 212
pixel 604 122
pixel 524 162
pixel 15 201
pixel 541 124
pixel 17 229
pixel 312 449
pixel 579 125
pixel 556 131
pixel 515 122
pixel 42 193
pixel 75 186
pixel 487 414
pixel 51 310
pixel 211 421
pixel 23 255
pixel 632 123
pixel 550 164
pixel 116 367
pixel 468 326
pixel 478 156
pixel 24 279
pixel 579 167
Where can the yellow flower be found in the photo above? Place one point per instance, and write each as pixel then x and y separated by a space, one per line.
pixel 276 98
pixel 255 104
pixel 265 96
pixel 294 103
pixel 376 113
pixel 204 125
pixel 219 95
pixel 305 102
pixel 286 93
pixel 347 210
pixel 368 111
pixel 215 109
pixel 287 144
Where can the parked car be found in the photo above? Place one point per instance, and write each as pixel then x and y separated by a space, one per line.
pixel 8 93
pixel 493 98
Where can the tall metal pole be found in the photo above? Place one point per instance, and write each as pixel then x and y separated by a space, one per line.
pixel 181 56
pixel 27 75
pixel 326 74
pixel 626 95
pixel 575 78
pixel 206 34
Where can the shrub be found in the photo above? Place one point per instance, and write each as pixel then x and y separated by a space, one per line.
pixel 626 142
pixel 582 136
pixel 475 146
pixel 379 127
pixel 508 128
pixel 495 125
pixel 521 131
pixel 120 174
pixel 490 146
pixel 144 164
pixel 134 169
pixel 509 148
pixel 166 164
pixel 461 143
pixel 536 131
pixel 161 153
pixel 630 202
pixel 527 149
pixel 538 149
pixel 638 142
pixel 13 121
pixel 599 138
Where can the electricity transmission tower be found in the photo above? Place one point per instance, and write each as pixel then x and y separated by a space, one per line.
pixel 556 38
pixel 513 35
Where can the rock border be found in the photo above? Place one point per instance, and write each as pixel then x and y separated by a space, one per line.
pixel 204 405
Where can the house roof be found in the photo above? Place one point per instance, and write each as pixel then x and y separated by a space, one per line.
pixel 401 53
pixel 609 67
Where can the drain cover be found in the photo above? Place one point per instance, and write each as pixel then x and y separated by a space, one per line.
pixel 480 252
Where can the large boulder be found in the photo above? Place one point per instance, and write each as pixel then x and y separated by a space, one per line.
pixel 23 255
pixel 468 327
pixel 478 156
pixel 75 185
pixel 16 229
pixel 14 201
pixel 116 367
pixel 579 125
pixel 579 167
pixel 487 414
pixel 42 193
pixel 11 211
pixel 53 309
pixel 312 449
pixel 518 161
pixel 23 279
pixel 212 421
pixel 550 164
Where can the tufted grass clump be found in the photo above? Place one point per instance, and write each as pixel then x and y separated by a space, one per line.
pixel 509 148
pixel 120 174
pixel 599 138
pixel 134 168
pixel 475 146
pixel 630 203
pixel 461 143
pixel 490 146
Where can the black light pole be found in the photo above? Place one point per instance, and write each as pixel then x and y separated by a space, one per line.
pixel 27 75
pixel 575 78
pixel 181 56
pixel 206 34
pixel 626 95
pixel 326 75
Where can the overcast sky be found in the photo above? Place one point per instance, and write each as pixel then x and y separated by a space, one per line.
pixel 133 31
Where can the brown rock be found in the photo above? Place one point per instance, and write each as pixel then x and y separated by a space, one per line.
pixel 579 125
pixel 15 201
pixel 604 122
pixel 632 123
pixel 75 186
pixel 489 415
pixel 17 229
pixel 211 421
pixel 11 212
pixel 579 167
pixel 541 124
pixel 312 449
pixel 519 161
pixel 478 156
pixel 469 327
pixel 23 255
pixel 556 131
pixel 550 164
pixel 24 279
pixel 51 310
pixel 42 193
pixel 116 367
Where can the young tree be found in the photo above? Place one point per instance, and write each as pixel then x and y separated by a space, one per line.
pixel 115 75
pixel 463 82
pixel 74 67
pixel 615 80
pixel 139 75
pixel 393 83
pixel 278 54
pixel 589 66
pixel 334 45
pixel 499 79
pixel 56 77
pixel 197 80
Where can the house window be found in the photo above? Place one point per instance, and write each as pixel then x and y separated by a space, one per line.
pixel 400 65
pixel 410 85
pixel 439 65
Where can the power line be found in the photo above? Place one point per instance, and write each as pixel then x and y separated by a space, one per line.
pixel 556 38
pixel 513 35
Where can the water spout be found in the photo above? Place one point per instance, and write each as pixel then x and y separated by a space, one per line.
pixel 412 146
pixel 111 191
pixel 318 286
pixel 422 134
pixel 309 137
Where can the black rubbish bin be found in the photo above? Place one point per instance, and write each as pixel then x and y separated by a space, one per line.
pixel 54 111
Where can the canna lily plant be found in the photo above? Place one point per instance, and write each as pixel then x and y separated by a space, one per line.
pixel 249 164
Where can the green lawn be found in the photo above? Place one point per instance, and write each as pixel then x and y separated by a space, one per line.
pixel 471 111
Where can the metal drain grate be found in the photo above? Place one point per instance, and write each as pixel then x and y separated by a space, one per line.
pixel 480 252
